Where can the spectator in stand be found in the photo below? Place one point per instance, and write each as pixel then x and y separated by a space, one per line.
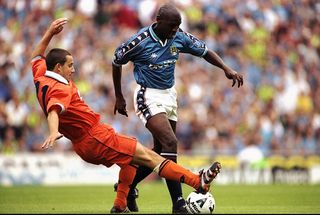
pixel 292 28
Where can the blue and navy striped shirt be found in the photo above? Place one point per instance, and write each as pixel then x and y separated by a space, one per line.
pixel 154 61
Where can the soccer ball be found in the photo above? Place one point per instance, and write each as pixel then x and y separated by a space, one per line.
pixel 201 203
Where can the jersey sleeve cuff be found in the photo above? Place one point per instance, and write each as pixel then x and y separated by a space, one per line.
pixel 205 51
pixel 116 64
pixel 57 107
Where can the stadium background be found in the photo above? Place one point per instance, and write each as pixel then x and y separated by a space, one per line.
pixel 275 116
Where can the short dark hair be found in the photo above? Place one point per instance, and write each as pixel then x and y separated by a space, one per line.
pixel 167 10
pixel 56 56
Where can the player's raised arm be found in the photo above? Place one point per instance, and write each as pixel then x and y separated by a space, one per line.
pixel 55 28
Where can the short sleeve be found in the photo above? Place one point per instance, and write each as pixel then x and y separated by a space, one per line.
pixel 121 55
pixel 39 67
pixel 193 45
pixel 60 96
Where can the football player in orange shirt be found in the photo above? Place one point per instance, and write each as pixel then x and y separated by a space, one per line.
pixel 97 143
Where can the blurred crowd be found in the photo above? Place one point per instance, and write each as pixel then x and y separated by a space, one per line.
pixel 275 44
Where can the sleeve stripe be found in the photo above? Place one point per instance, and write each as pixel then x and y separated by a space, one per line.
pixel 136 41
pixel 125 49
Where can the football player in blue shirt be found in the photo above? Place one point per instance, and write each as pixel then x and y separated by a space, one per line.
pixel 154 51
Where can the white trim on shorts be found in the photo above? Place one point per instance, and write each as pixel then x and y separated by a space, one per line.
pixel 149 102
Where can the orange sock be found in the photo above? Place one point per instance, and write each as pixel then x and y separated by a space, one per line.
pixel 170 170
pixel 126 176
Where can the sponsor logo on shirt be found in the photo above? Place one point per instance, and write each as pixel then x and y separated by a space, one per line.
pixel 162 65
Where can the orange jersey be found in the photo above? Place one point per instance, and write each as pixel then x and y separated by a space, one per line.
pixel 75 117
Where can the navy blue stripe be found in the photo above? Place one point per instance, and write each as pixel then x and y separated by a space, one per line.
pixel 141 103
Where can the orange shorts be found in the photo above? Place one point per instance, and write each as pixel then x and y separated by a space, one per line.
pixel 103 146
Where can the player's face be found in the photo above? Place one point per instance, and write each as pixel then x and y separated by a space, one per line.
pixel 67 69
pixel 169 27
pixel 172 29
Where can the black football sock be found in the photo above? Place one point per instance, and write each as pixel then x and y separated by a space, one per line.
pixel 141 173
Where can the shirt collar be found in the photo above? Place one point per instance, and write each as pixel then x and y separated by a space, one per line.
pixel 56 76
pixel 155 37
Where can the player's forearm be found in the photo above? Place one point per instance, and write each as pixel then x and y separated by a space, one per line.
pixel 214 59
pixel 116 76
pixel 53 122
pixel 43 44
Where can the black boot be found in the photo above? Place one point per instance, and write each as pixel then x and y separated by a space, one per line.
pixel 180 207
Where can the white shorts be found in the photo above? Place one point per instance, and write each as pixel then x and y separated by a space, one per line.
pixel 149 102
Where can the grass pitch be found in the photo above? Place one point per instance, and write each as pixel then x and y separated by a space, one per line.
pixel 154 199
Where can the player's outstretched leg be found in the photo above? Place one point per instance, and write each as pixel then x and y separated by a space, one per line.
pixel 201 182
pixel 173 171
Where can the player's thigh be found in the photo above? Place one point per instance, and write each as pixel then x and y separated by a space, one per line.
pixel 161 130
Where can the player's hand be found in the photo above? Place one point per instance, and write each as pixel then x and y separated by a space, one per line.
pixel 50 141
pixel 57 25
pixel 236 77
pixel 120 106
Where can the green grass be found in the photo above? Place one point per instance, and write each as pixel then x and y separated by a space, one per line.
pixel 154 199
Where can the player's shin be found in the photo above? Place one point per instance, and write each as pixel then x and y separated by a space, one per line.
pixel 126 176
pixel 170 170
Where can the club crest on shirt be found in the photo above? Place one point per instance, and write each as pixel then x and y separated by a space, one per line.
pixel 173 50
